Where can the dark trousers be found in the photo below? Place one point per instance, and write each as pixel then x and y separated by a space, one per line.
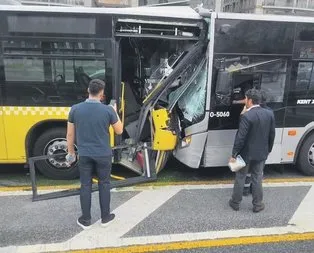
pixel 102 165
pixel 247 184
pixel 256 168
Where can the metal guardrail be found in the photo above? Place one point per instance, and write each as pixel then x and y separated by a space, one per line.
pixel 148 176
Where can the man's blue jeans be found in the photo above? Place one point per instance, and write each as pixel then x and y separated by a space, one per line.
pixel 102 165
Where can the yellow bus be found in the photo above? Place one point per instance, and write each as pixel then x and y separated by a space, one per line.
pixel 48 55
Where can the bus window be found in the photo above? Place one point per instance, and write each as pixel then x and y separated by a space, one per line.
pixel 305 78
pixel 56 71
pixel 268 74
pixel 305 32
pixel 23 69
pixel 80 63
pixel 253 36
pixel 51 24
pixel 192 102
pixel 273 79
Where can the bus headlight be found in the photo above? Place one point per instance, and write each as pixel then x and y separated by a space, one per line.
pixel 186 141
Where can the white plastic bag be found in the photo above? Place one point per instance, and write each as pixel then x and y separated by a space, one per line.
pixel 237 165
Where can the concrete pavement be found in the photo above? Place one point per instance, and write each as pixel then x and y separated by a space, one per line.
pixel 151 219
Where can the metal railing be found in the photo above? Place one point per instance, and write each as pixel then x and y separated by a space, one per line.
pixel 149 175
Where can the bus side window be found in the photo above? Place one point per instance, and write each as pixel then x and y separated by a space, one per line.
pixel 305 77
pixel 75 64
pixel 266 73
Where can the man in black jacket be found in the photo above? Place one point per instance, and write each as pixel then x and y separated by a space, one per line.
pixel 254 141
pixel 248 182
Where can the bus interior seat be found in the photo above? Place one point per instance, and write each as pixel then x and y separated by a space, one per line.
pixel 81 77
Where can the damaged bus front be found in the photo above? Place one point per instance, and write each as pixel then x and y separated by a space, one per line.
pixel 164 78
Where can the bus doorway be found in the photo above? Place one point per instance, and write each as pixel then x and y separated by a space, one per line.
pixel 145 64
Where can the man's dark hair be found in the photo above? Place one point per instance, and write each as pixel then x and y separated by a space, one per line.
pixel 255 95
pixel 95 86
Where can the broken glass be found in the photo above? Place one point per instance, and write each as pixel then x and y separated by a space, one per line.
pixel 192 102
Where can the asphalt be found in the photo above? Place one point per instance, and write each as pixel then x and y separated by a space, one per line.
pixel 208 210
pixel 25 222
pixel 159 215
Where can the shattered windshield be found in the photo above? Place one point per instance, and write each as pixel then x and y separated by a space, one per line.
pixel 166 65
pixel 192 102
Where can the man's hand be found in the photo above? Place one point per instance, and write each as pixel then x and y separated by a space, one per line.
pixel 244 110
pixel 114 106
pixel 118 126
pixel 70 158
pixel 232 160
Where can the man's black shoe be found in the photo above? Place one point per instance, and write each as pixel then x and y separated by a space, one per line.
pixel 234 206
pixel 83 223
pixel 257 209
pixel 109 219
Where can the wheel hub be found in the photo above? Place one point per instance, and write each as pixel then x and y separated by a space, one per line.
pixel 311 155
pixel 55 147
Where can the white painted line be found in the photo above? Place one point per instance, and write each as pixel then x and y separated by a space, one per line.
pixel 205 236
pixel 26 193
pixel 10 249
pixel 212 186
pixel 15 193
pixel 128 216
pixel 304 216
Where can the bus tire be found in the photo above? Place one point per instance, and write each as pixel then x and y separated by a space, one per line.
pixel 53 141
pixel 305 161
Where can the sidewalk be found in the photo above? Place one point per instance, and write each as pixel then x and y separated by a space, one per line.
pixel 147 215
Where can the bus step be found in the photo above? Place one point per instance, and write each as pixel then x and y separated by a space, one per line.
pixel 133 166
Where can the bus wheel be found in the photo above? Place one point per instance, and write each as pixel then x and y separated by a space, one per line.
pixel 305 162
pixel 53 142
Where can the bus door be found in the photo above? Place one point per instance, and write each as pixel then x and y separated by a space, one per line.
pixel 233 76
pixel 299 112
pixel 227 103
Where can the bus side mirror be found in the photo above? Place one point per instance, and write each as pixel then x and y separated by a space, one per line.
pixel 224 88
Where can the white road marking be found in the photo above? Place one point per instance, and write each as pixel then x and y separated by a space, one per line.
pixel 304 216
pixel 128 216
pixel 26 193
pixel 205 236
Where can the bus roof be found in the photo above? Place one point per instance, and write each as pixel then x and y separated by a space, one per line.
pixel 180 12
pixel 264 17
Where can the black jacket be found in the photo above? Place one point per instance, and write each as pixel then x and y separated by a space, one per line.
pixel 255 137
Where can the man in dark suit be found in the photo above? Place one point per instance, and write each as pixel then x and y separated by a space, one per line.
pixel 248 182
pixel 254 141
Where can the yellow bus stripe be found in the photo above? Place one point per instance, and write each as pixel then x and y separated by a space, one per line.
pixel 188 245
